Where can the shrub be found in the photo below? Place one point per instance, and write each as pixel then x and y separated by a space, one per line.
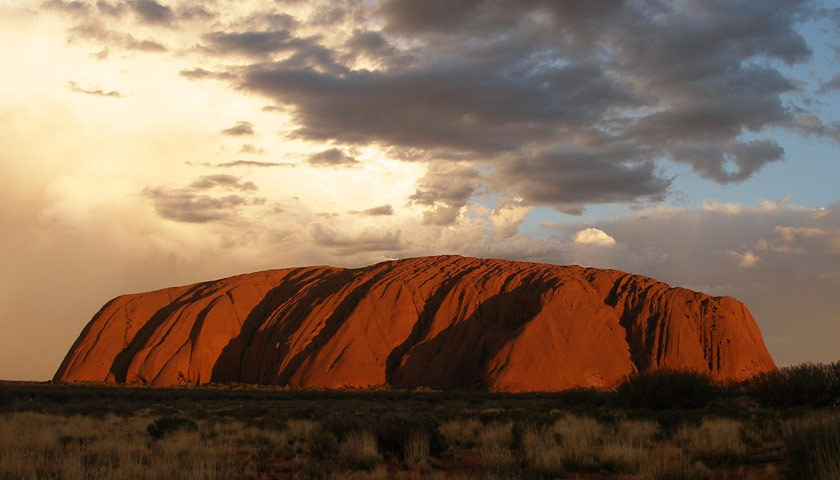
pixel 393 434
pixel 5 399
pixel 662 389
pixel 814 451
pixel 168 425
pixel 323 445
pixel 817 385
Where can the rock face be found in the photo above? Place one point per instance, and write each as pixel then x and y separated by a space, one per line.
pixel 443 322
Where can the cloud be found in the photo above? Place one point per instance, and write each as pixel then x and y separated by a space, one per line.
pixel 445 189
pixel 569 180
pixel 331 158
pixel 199 73
pixel 250 43
pixel 747 259
pixel 152 12
pixel 472 105
pixel 593 236
pixel 195 204
pixel 513 86
pixel 539 91
pixel 225 181
pixel 382 210
pixel 98 92
pixel 249 148
pixel 251 163
pixel 240 129
pixel 97 32
pixel 507 219
pixel 831 85
pixel 189 207
pixel 345 245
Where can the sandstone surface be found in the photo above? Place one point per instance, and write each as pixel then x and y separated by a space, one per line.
pixel 440 322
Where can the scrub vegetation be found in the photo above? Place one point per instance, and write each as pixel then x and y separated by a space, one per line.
pixel 649 427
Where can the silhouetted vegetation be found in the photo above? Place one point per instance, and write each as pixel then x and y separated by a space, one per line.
pixel 168 425
pixel 655 425
pixel 666 389
pixel 817 385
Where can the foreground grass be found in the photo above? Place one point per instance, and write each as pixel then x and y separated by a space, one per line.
pixel 105 432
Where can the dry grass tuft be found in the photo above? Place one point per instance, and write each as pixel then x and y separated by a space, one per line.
pixel 579 438
pixel 463 433
pixel 497 460
pixel 359 451
pixel 638 433
pixel 542 453
pixel 715 442
pixel 34 445
pixel 417 456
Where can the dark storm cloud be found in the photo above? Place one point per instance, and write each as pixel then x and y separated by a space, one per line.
pixel 300 51
pixel 152 12
pixel 569 180
pixel 226 181
pixel 478 106
pixel 505 83
pixel 614 86
pixel 374 46
pixel 250 43
pixel 240 129
pixel 98 92
pixel 331 158
pixel 344 245
pixel 716 162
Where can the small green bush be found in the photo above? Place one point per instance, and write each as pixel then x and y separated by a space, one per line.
pixel 814 451
pixel 812 384
pixel 168 425
pixel 664 389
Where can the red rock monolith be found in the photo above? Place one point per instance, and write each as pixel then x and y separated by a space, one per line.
pixel 439 322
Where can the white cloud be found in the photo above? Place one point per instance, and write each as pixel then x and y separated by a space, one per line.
pixel 593 236
pixel 508 218
pixel 747 259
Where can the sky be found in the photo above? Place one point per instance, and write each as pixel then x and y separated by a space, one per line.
pixel 149 143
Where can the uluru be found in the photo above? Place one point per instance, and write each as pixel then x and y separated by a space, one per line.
pixel 439 322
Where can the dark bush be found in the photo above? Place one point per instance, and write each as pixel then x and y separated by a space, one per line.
pixel 392 434
pixel 342 425
pixel 323 445
pixel 813 452
pixel 817 385
pixel 663 389
pixel 168 425
pixel 5 399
